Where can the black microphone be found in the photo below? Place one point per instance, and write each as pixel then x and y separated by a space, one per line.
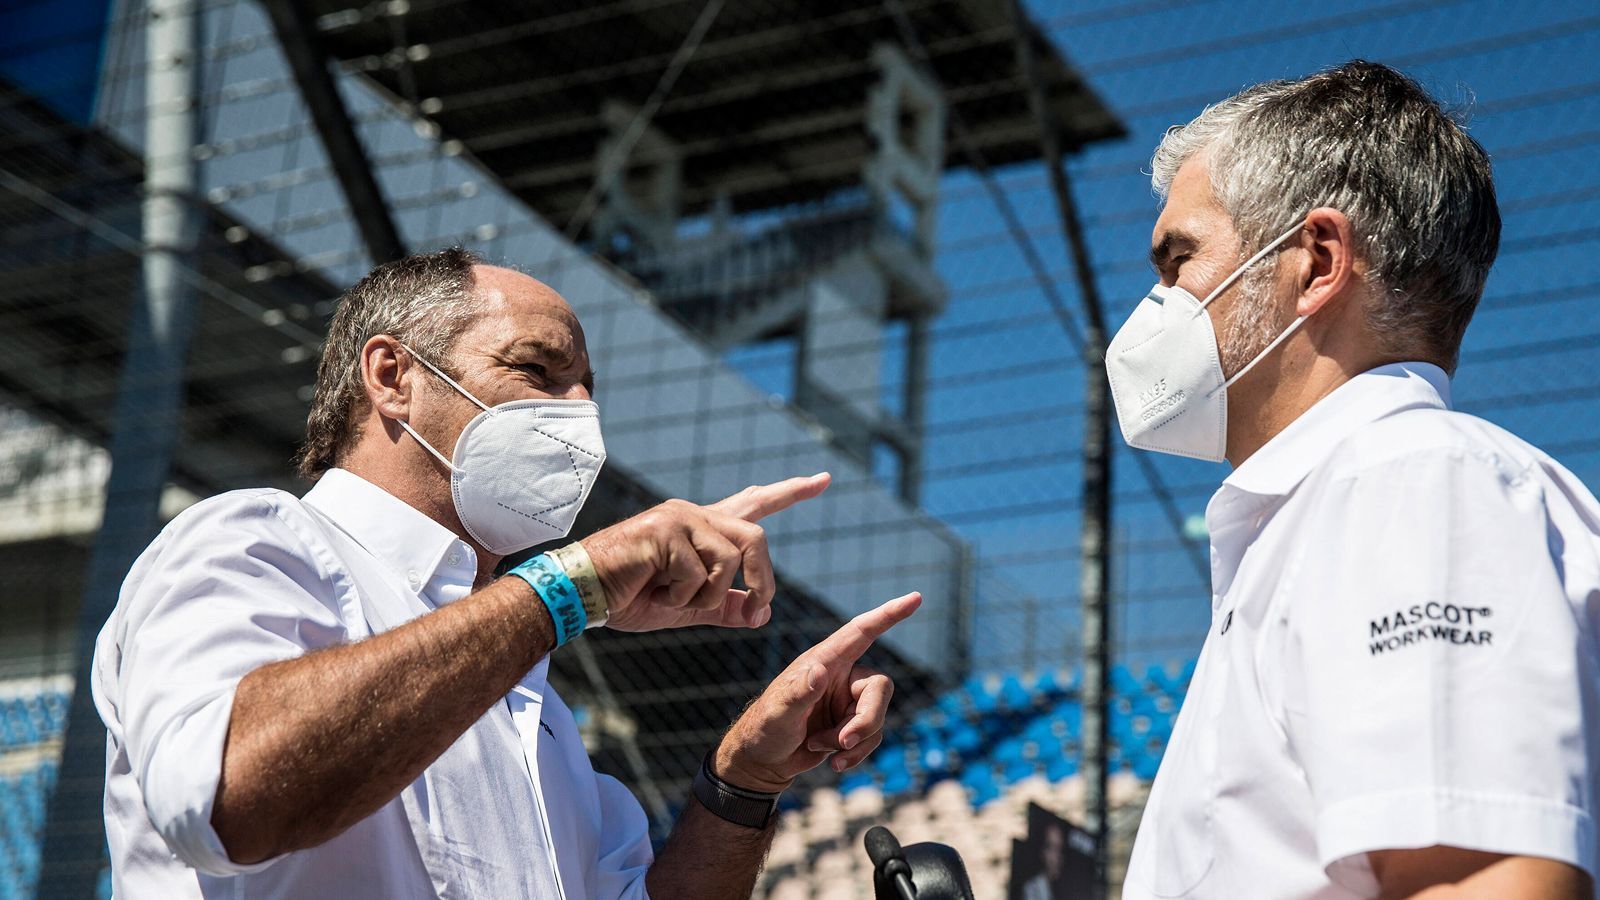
pixel 889 862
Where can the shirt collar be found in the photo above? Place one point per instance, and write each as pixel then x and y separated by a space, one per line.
pixel 1285 460
pixel 402 537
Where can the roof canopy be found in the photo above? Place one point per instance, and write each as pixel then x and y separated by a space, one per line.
pixel 770 108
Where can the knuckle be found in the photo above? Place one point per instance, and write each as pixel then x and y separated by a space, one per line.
pixel 654 520
pixel 756 536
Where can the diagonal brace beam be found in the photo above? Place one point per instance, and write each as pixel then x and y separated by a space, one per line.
pixel 308 59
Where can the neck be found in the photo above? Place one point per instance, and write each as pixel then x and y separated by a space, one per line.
pixel 428 494
pixel 1263 403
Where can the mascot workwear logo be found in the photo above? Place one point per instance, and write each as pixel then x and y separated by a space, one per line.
pixel 1436 622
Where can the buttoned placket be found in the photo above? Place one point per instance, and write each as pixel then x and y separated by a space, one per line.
pixel 525 700
pixel 1233 519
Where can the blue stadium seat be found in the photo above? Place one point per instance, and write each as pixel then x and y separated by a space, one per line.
pixel 984 701
pixel 980 784
pixel 855 780
pixel 1009 749
pixel 1014 695
pixel 1123 684
pixel 965 738
pixel 1053 684
pixel 896 782
pixel 1061 767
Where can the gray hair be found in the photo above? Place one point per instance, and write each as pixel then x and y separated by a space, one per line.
pixel 1370 142
pixel 424 300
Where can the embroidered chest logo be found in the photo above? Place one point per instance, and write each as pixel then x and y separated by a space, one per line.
pixel 1430 622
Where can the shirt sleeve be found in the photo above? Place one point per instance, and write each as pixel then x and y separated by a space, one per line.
pixel 228 587
pixel 1437 685
pixel 625 851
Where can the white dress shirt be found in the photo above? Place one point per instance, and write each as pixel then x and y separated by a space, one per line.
pixel 1402 654
pixel 512 809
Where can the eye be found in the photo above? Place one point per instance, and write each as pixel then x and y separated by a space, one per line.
pixel 533 368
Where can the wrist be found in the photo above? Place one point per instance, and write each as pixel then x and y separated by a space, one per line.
pixel 600 549
pixel 575 560
pixel 726 765
pixel 556 592
pixel 731 802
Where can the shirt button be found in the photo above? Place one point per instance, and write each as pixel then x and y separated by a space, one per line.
pixel 413 580
pixel 454 559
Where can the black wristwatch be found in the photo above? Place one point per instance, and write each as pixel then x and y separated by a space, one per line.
pixel 752 809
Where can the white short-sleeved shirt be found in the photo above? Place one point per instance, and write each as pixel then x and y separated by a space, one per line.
pixel 1403 653
pixel 513 809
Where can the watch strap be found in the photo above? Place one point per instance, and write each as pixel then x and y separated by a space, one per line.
pixel 752 809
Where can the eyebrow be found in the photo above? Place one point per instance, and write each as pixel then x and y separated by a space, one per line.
pixel 1171 241
pixel 553 354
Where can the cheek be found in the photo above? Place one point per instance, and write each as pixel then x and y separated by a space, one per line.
pixel 1201 276
pixel 444 418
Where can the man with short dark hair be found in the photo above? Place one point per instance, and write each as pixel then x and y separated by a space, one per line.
pixel 1400 692
pixel 337 695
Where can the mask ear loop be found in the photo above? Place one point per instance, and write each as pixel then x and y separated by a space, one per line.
pixel 1293 327
pixel 450 381
pixel 447 379
pixel 1237 274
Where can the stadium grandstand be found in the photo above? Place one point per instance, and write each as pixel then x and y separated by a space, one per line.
pixel 801 236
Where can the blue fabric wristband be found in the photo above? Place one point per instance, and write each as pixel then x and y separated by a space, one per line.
pixel 549 580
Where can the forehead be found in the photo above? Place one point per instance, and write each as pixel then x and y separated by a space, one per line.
pixel 517 307
pixel 1192 210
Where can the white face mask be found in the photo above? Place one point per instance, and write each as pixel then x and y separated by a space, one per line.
pixel 1166 375
pixel 521 470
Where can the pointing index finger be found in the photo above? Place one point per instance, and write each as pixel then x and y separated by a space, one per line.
pixel 758 501
pixel 849 642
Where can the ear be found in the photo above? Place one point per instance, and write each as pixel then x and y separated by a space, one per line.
pixel 385 371
pixel 1330 245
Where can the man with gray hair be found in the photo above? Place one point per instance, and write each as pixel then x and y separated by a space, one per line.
pixel 344 694
pixel 1401 689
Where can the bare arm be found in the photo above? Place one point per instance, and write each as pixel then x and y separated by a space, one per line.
pixel 708 858
pixel 1445 873
pixel 320 742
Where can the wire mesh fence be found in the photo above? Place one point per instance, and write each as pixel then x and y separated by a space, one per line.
pixel 925 350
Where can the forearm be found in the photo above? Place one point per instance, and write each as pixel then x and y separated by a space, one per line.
pixel 320 742
pixel 1446 873
pixel 707 857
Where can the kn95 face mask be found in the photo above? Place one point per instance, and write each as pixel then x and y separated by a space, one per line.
pixel 521 470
